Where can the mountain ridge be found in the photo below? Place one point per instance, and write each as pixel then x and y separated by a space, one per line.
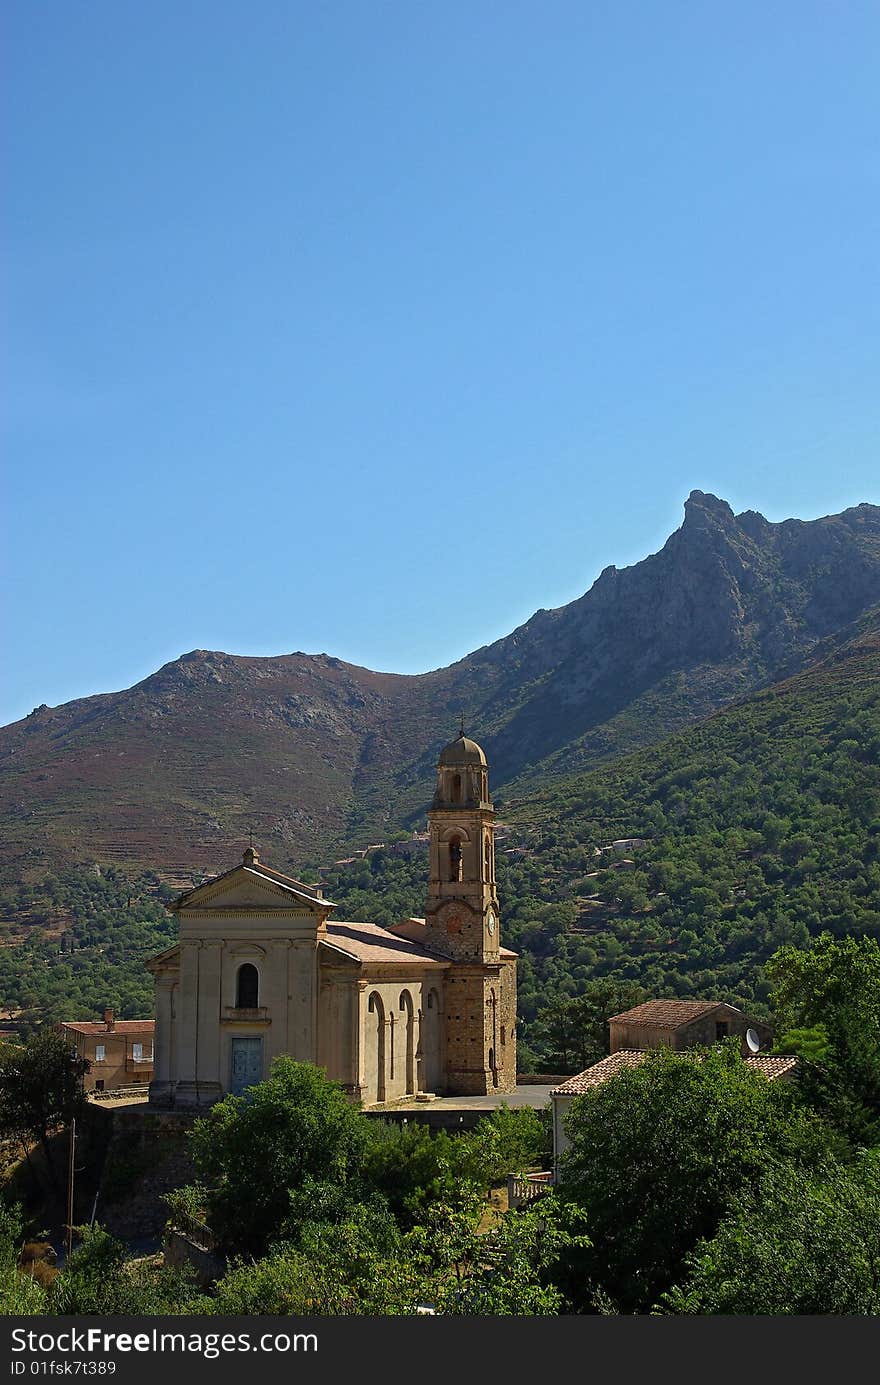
pixel 313 751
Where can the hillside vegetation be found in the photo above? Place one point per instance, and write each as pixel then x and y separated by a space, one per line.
pixel 76 941
pixel 762 827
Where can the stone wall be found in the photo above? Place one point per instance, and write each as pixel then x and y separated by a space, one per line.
pixel 147 1156
pixel 182 1252
pixel 703 1030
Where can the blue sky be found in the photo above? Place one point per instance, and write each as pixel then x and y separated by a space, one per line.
pixel 372 327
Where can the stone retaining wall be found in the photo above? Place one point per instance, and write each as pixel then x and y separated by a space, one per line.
pixel 147 1156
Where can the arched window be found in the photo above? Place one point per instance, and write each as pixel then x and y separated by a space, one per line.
pixel 456 788
pixel 247 990
pixel 378 1075
pixel 455 858
pixel 487 858
pixel 406 1005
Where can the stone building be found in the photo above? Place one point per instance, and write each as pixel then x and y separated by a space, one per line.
pixel 120 1052
pixel 680 1024
pixel 262 968
pixel 685 1026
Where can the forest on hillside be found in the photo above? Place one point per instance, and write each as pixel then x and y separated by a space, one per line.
pixel 762 828
pixel 75 942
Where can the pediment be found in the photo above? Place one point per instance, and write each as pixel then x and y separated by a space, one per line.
pixel 246 888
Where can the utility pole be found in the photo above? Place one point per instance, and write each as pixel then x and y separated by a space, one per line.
pixel 70 1186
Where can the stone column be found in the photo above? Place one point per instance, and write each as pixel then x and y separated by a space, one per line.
pixel 357 1046
pixel 160 1087
pixel 210 968
pixel 187 1017
pixel 302 1015
pixel 326 1027
pixel 419 1058
pixel 275 984
pixel 199 1024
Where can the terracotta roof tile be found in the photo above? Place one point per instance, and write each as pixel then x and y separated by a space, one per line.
pixel 668 1014
pixel 367 942
pixel 600 1072
pixel 771 1065
pixel 120 1027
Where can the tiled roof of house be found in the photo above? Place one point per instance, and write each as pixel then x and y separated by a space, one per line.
pixel 772 1066
pixel 367 942
pixel 668 1014
pixel 120 1027
pixel 601 1071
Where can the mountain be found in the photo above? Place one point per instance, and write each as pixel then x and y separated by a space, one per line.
pixel 757 828
pixel 312 752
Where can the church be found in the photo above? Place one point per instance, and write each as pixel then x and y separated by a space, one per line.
pixel 262 968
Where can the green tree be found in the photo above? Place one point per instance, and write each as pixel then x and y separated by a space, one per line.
pixel 799 1242
pixel 413 1168
pixel 41 1090
pixel 358 1266
pixel 827 1001
pixel 657 1154
pixel 509 1140
pixel 509 1268
pixel 576 1028
pixel 255 1153
pixel 99 1279
pixel 365 1266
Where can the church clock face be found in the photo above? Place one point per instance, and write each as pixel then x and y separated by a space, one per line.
pixel 490 922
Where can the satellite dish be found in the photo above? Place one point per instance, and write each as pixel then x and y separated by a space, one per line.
pixel 752 1040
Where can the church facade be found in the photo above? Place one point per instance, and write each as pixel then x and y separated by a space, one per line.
pixel 262 968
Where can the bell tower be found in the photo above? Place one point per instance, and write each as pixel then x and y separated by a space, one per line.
pixel 461 915
pixel 461 923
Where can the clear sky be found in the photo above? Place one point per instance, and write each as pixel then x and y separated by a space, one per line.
pixel 371 326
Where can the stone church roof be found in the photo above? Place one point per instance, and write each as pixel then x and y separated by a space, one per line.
pixel 462 751
pixel 367 942
pixel 253 866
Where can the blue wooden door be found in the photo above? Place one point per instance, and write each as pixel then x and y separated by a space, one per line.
pixel 247 1064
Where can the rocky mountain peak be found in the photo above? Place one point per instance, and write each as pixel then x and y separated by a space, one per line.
pixel 323 751
pixel 701 508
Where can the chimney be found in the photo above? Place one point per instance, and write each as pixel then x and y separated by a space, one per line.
pixel 109 1019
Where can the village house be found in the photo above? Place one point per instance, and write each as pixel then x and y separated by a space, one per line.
pixel 685 1026
pixel 120 1052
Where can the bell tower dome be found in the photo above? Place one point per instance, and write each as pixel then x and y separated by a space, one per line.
pixel 462 909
